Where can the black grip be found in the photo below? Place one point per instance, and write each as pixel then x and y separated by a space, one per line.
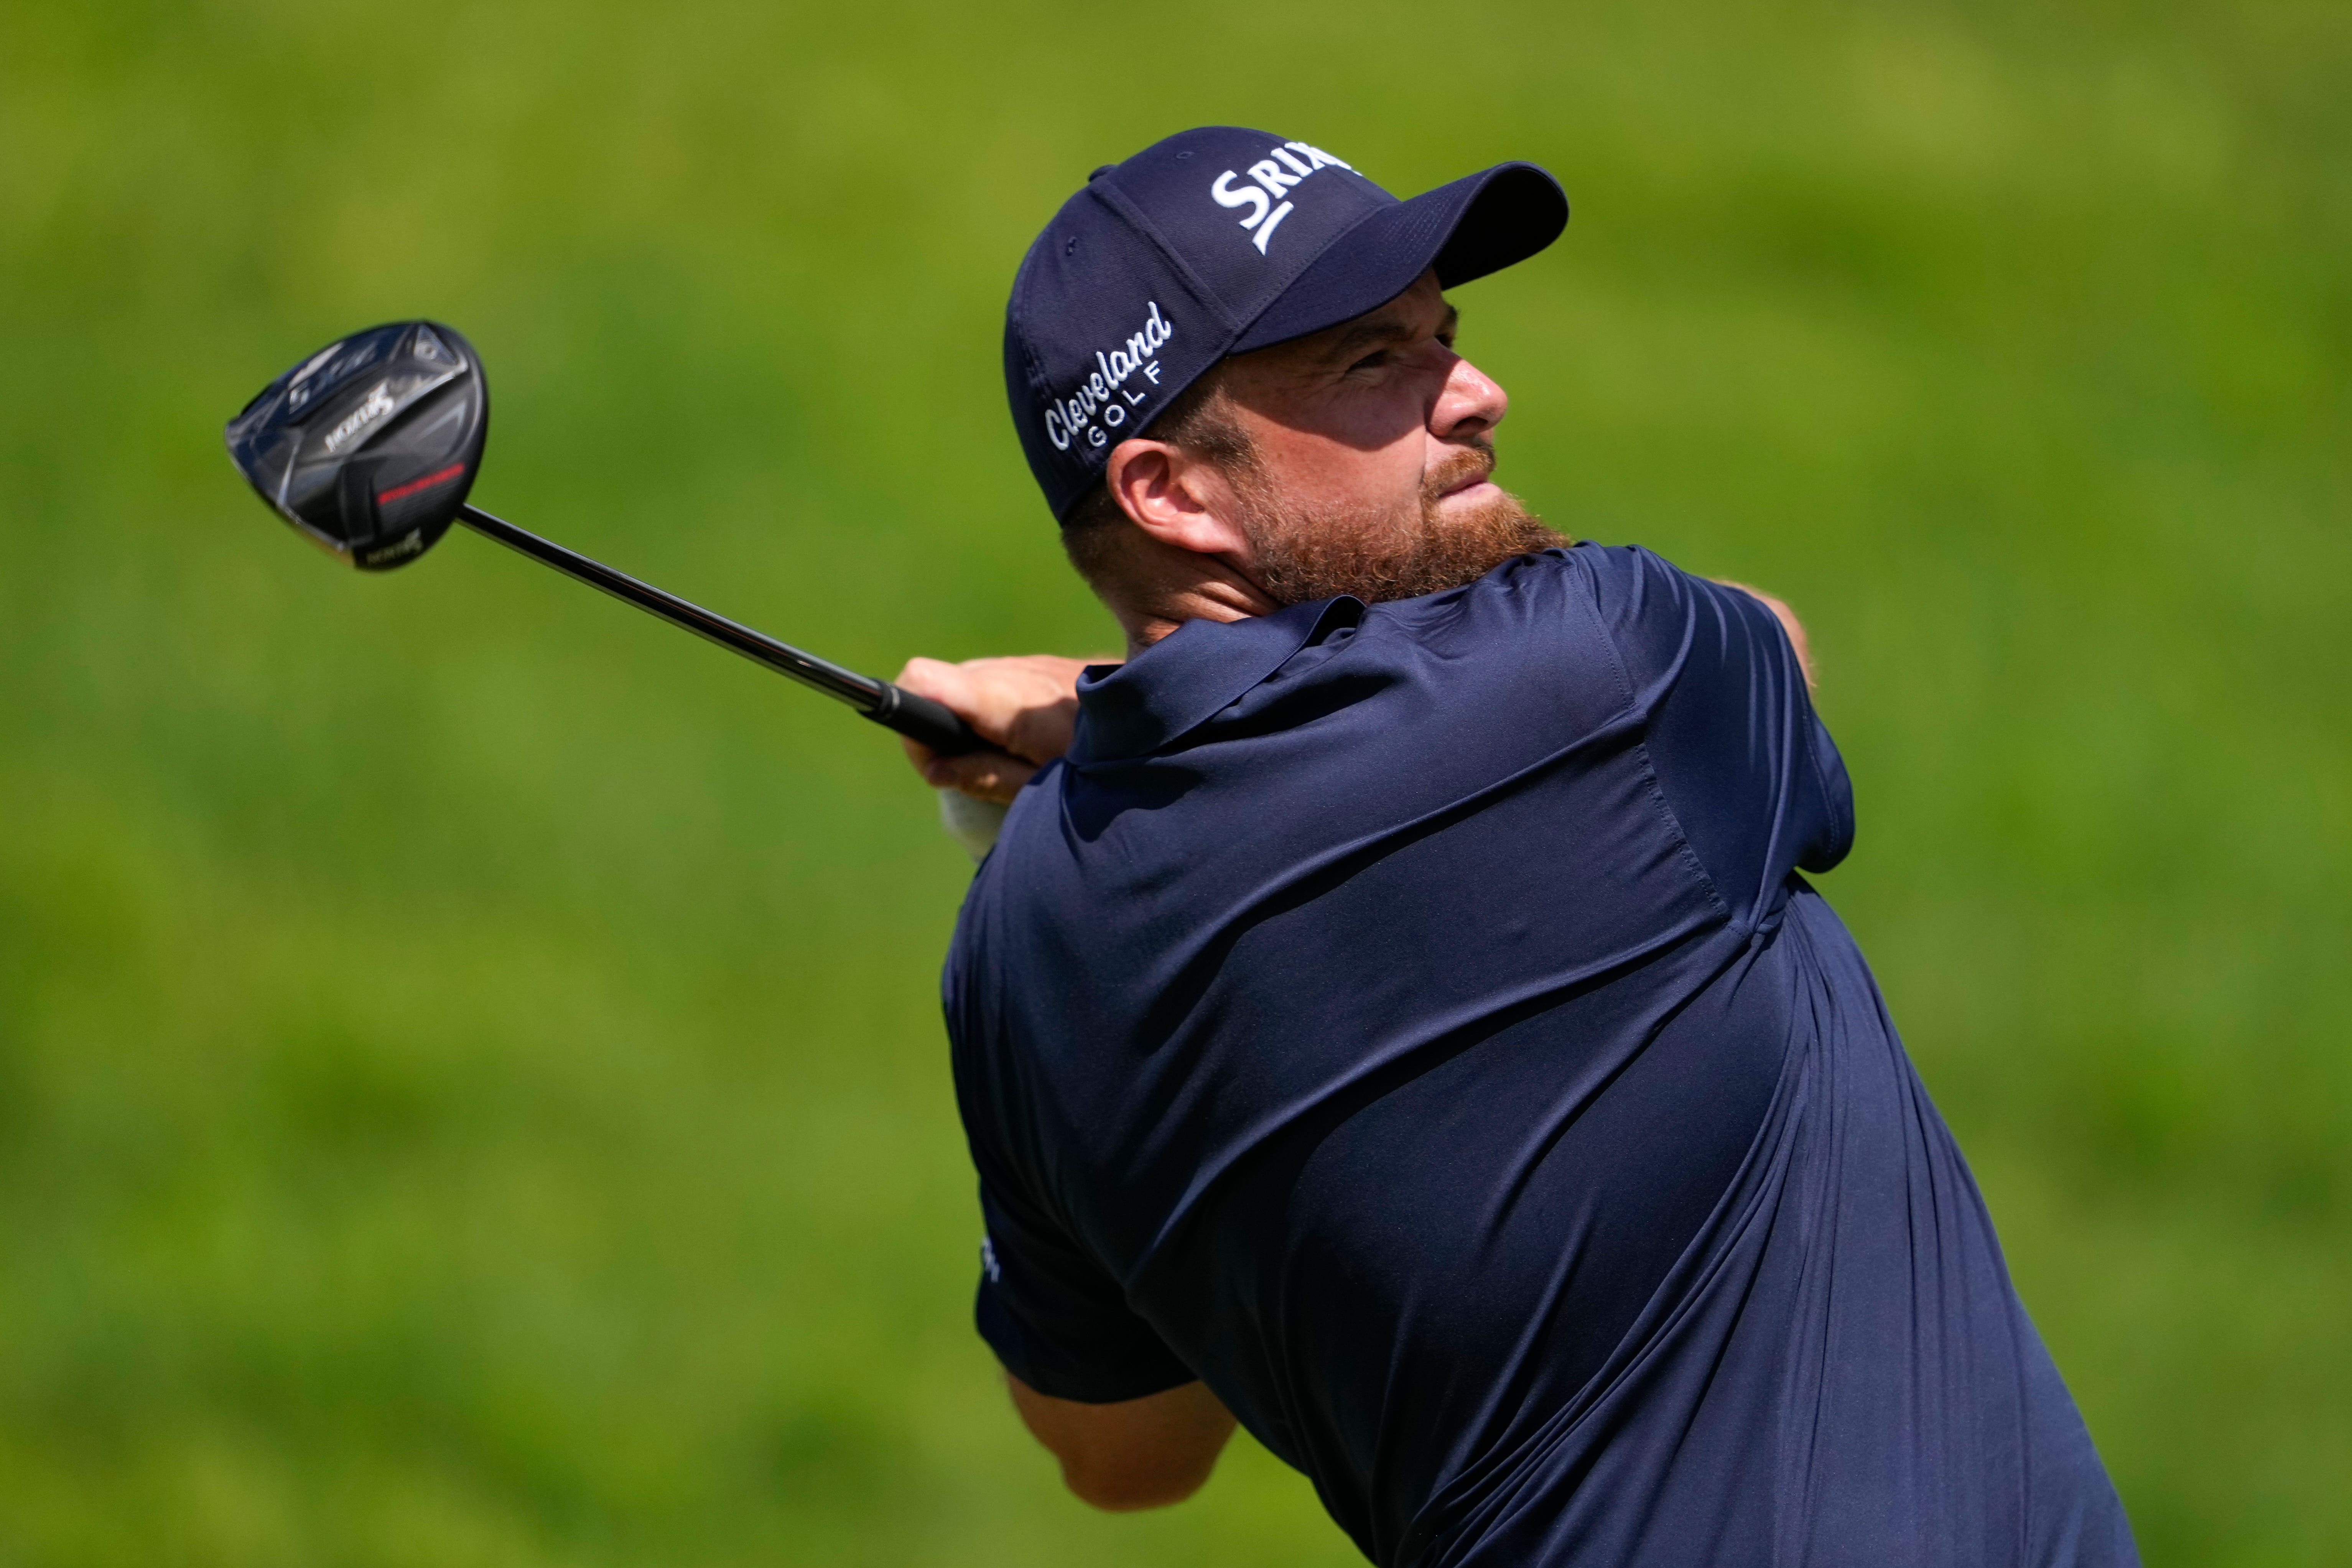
pixel 920 718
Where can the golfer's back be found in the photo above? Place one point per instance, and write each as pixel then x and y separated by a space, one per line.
pixel 1409 1021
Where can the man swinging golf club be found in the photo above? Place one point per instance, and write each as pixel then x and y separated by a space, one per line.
pixel 1393 1017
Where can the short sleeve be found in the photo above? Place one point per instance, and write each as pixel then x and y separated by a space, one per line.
pixel 1746 764
pixel 1056 1318
pixel 1052 1309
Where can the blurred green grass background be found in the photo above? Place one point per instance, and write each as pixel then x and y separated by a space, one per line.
pixel 470 1084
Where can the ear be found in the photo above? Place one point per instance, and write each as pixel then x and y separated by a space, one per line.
pixel 1178 499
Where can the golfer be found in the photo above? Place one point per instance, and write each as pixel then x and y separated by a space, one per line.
pixel 1393 1016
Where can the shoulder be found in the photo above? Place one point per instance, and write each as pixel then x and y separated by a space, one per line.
pixel 1613 582
pixel 1547 618
pixel 1656 614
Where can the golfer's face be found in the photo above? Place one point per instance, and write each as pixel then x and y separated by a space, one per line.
pixel 1377 417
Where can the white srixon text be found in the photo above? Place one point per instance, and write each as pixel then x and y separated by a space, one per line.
pixel 1277 172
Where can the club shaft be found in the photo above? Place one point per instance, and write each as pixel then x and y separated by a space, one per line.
pixel 879 700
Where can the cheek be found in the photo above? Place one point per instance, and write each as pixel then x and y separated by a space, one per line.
pixel 1372 458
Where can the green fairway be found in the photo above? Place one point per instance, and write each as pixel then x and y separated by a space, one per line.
pixel 471 1082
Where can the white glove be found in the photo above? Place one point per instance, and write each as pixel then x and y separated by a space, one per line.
pixel 970 822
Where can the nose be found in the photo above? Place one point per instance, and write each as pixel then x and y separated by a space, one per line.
pixel 1468 404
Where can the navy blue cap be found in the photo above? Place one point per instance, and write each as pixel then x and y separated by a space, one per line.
pixel 1218 241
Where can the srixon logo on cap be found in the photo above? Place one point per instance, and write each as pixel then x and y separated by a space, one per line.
pixel 1282 167
pixel 1102 400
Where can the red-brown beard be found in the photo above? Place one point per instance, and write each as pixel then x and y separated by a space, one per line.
pixel 1304 555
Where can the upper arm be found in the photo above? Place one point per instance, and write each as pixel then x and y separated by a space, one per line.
pixel 1056 1317
pixel 1091 1375
pixel 1788 624
pixel 1130 1425
pixel 1132 1453
pixel 1050 1303
pixel 1720 678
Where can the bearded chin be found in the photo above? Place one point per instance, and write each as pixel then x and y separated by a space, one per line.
pixel 1304 557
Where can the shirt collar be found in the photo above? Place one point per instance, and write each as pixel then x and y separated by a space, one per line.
pixel 1134 709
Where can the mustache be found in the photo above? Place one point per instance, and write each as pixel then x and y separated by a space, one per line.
pixel 1473 463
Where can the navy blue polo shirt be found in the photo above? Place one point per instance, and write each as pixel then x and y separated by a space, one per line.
pixel 1410 1020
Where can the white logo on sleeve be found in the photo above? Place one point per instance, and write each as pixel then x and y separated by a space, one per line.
pixel 1100 403
pixel 1282 168
pixel 988 1261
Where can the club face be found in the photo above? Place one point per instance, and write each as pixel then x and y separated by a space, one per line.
pixel 369 446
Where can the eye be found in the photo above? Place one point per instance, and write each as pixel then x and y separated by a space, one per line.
pixel 1371 361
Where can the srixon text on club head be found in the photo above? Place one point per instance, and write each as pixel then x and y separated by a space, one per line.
pixel 369 446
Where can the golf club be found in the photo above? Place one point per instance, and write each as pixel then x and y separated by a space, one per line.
pixel 369 448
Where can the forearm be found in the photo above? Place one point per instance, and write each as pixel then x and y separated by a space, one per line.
pixel 1025 708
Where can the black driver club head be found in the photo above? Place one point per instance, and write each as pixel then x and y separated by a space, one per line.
pixel 369 446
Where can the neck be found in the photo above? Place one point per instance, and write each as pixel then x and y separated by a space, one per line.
pixel 1153 586
pixel 1203 588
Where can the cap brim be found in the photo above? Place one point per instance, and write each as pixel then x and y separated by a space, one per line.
pixel 1465 229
